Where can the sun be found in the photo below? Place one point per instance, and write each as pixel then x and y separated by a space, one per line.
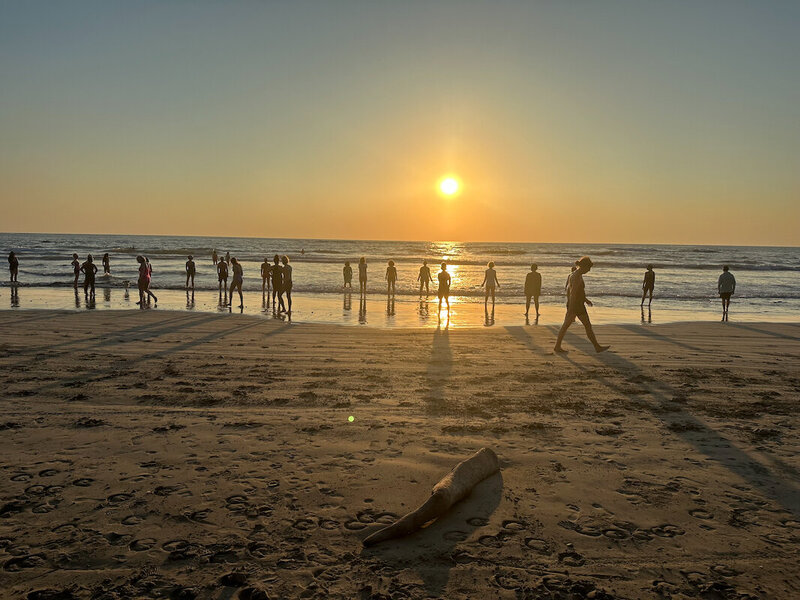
pixel 449 186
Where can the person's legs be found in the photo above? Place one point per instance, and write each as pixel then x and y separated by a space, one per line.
pixel 568 319
pixel 241 299
pixel 587 324
pixel 644 295
pixel 536 304
pixel 650 301
pixel 527 304
pixel 492 298
pixel 289 300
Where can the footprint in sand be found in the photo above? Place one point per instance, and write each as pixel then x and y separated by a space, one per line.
pixel 455 536
pixel 83 482
pixel 119 498
pixel 142 544
pixel 29 561
pixel 699 513
pixel 571 558
pixel 510 580
pixel 260 549
pixel 724 571
pixel 490 541
pixel 132 520
pixel 328 524
pixel 615 533
pixel 539 546
pixel 477 521
pixel 304 524
pixel 48 472
pixel 63 528
pixel 512 525
pixel 21 477
pixel 666 531
pixel 175 546
pixel 36 490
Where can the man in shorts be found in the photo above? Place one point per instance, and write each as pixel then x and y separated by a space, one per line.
pixel 576 306
pixel 726 286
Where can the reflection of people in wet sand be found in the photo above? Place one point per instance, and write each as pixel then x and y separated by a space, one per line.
pixel 287 281
pixel 13 265
pixel 726 286
pixel 236 281
pixel 190 271
pixel 214 257
pixel 490 282
pixel 424 277
pixel 266 280
pixel 222 275
pixel 576 306
pixel 648 284
pixel 347 273
pixel 444 287
pixel 362 275
pixel 533 288
pixel 106 264
pixel 277 284
pixel 89 270
pixel 76 268
pixel 391 277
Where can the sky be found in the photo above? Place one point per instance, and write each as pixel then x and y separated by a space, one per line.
pixel 565 121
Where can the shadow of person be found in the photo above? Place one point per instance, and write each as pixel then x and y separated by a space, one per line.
pixel 431 552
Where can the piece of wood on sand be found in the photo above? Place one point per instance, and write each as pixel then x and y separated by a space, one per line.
pixel 455 486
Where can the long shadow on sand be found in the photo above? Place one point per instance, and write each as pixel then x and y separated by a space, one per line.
pixel 431 551
pixel 774 334
pixel 776 485
pixel 440 366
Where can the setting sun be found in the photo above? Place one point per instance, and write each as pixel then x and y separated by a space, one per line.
pixel 449 186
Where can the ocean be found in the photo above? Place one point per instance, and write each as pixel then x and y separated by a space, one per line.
pixel 768 278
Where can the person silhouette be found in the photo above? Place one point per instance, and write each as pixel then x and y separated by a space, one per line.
pixel 150 293
pixel 347 273
pixel 236 281
pixel 576 306
pixel 533 288
pixel 489 281
pixel 214 257
pixel 726 286
pixel 287 282
pixel 106 264
pixel 222 276
pixel 76 268
pixel 648 284
pixel 444 287
pixel 228 258
pixel 144 278
pixel 391 277
pixel 362 275
pixel 13 266
pixel 266 280
pixel 89 270
pixel 190 271
pixel 277 284
pixel 424 277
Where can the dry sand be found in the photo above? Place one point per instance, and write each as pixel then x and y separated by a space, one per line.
pixel 152 454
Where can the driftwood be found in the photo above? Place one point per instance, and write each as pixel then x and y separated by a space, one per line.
pixel 455 486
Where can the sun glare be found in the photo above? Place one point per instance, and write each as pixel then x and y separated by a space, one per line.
pixel 449 186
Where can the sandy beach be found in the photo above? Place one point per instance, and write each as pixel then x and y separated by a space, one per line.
pixel 160 454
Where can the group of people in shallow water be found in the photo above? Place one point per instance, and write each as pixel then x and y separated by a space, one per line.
pixel 276 281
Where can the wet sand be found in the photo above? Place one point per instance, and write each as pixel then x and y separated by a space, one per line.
pixel 173 454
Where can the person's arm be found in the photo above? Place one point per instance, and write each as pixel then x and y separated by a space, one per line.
pixel 733 279
pixel 484 280
pixel 419 277
pixel 644 281
pixel 496 280
pixel 719 285
pixel 94 268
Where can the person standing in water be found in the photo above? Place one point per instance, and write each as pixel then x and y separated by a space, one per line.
pixel 444 287
pixel 287 281
pixel 76 268
pixel 391 277
pixel 228 258
pixel 214 257
pixel 190 271
pixel 222 275
pixel 424 277
pixel 266 269
pixel 576 306
pixel 106 264
pixel 236 282
pixel 490 281
pixel 533 288
pixel 277 285
pixel 13 266
pixel 726 286
pixel 89 270
pixel 347 273
pixel 362 275
pixel 150 293
pixel 143 280
pixel 648 284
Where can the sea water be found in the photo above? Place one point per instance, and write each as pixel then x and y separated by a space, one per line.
pixel 768 278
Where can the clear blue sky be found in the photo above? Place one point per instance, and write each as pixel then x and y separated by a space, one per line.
pixel 590 121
